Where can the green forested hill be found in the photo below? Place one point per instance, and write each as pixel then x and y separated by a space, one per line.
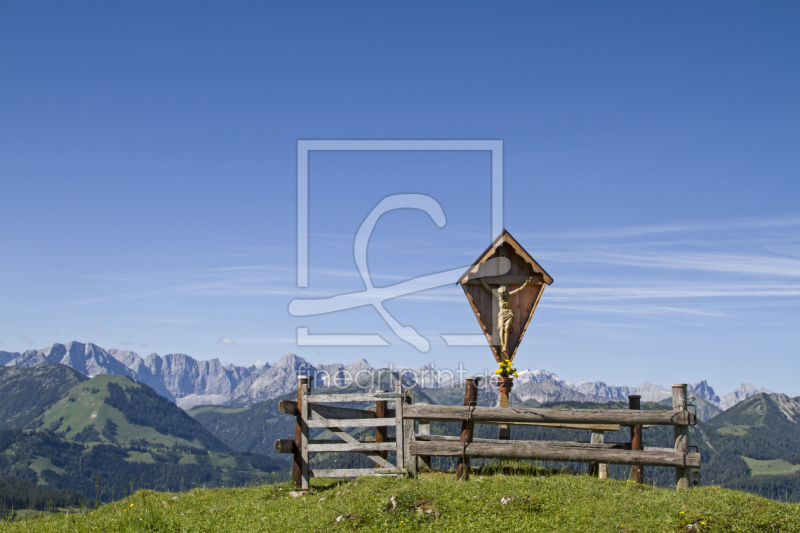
pixel 105 435
pixel 755 446
pixel 116 410
pixel 110 471
pixel 26 393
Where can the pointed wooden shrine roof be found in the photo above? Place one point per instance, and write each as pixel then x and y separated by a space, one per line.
pixel 505 237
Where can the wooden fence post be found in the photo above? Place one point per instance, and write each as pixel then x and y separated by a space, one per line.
pixel 637 471
pixel 408 436
pixel 398 426
pixel 381 434
pixel 682 475
pixel 505 429
pixel 305 469
pixel 467 427
pixel 598 469
pixel 297 467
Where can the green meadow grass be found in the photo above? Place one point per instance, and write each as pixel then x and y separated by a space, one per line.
pixel 539 501
pixel 770 468
pixel 214 409
pixel 736 431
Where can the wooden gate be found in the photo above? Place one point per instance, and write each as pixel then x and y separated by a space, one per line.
pixel 313 411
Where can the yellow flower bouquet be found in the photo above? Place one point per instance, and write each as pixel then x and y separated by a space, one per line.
pixel 506 370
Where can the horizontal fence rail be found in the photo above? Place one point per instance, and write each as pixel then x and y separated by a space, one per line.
pixel 357 472
pixel 525 450
pixel 327 411
pixel 354 423
pixel 352 447
pixel 349 398
pixel 562 443
pixel 446 413
pixel 557 443
pixel 590 427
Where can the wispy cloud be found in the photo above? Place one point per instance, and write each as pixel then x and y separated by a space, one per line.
pixel 671 291
pixel 225 340
pixel 269 340
pixel 708 262
pixel 640 310
pixel 687 227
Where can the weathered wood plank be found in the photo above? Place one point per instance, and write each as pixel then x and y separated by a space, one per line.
pixel 345 398
pixel 326 411
pixel 352 447
pixel 408 436
pixel 357 423
pixel 334 441
pixel 356 472
pixel 637 471
pixel 382 433
pixel 284 446
pixel 467 428
pixel 599 469
pixel 548 443
pixel 590 427
pixel 305 470
pixel 683 476
pixel 448 413
pixel 297 463
pixel 516 450
pixel 398 425
pixel 288 407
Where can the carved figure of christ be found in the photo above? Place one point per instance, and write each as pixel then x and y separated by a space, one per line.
pixel 505 316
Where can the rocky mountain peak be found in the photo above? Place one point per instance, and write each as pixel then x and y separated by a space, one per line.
pixel 740 393
pixel 704 390
pixel 360 365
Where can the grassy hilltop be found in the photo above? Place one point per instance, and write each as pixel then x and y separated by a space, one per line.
pixel 539 501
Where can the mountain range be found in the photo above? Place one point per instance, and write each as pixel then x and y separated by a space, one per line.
pixel 189 382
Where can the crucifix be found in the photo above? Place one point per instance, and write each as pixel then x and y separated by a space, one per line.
pixel 505 316
pixel 503 287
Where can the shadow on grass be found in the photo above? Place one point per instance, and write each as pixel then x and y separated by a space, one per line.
pixel 517 468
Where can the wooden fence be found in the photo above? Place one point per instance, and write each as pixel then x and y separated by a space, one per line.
pixel 414 450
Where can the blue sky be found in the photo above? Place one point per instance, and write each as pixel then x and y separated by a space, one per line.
pixel 651 162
